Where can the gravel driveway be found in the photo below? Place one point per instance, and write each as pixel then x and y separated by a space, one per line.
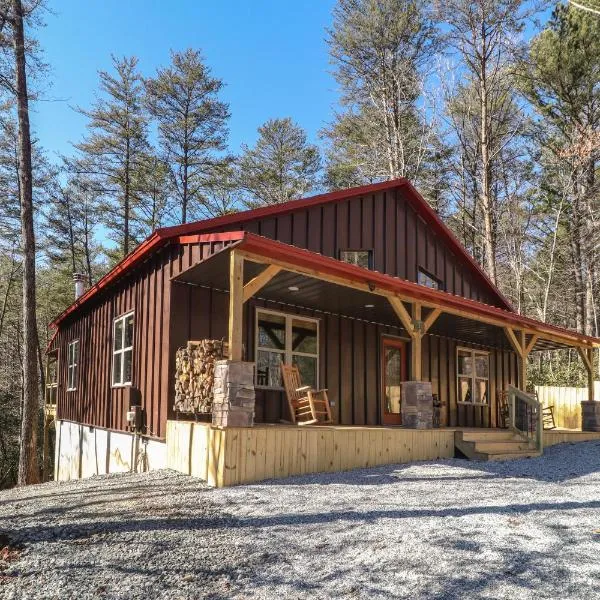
pixel 444 529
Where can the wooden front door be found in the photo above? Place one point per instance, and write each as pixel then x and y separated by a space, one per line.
pixel 393 373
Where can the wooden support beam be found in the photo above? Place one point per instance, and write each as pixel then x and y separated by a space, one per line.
pixel 431 319
pixel 416 354
pixel 512 338
pixel 587 355
pixel 402 314
pixel 256 284
pixel 523 369
pixel 236 304
pixel 566 338
pixel 532 343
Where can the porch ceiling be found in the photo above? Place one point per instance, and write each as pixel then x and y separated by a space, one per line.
pixel 327 297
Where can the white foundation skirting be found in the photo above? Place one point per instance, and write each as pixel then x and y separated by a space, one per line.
pixel 82 451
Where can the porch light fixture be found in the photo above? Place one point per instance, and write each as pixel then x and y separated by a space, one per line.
pixel 293 288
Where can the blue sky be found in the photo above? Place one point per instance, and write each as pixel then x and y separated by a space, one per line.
pixel 271 55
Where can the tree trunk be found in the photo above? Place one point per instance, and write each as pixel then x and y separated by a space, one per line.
pixel 486 184
pixel 28 459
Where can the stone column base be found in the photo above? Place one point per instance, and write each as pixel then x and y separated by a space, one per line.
pixel 590 415
pixel 417 405
pixel 233 394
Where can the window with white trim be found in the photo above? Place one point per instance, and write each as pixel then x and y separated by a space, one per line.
pixel 72 364
pixel 289 339
pixel 122 350
pixel 472 373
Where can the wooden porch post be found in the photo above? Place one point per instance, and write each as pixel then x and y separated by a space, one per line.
pixel 523 350
pixel 416 328
pixel 416 350
pixel 236 304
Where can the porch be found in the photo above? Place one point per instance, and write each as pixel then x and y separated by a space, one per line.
pixel 362 318
pixel 236 455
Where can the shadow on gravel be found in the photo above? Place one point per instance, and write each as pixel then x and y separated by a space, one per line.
pixel 74 531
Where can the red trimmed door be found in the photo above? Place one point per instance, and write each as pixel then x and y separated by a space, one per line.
pixel 393 373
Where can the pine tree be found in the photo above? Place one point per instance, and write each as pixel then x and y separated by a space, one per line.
pixel 281 166
pixel 113 154
pixel 382 52
pixel 561 78
pixel 192 125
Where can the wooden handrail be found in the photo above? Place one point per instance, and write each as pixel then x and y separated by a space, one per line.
pixel 514 394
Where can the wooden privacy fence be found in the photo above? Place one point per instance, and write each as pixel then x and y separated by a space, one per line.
pixel 566 402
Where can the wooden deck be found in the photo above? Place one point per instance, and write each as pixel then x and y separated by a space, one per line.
pixel 236 455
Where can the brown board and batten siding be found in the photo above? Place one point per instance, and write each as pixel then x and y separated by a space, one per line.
pixel 349 359
pixel 406 242
pixel 167 315
pixel 145 290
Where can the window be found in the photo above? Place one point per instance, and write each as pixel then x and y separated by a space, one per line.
pixel 360 258
pixel 424 278
pixel 122 350
pixel 72 362
pixel 472 371
pixel 289 339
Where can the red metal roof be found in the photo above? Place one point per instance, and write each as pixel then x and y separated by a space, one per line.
pixel 163 236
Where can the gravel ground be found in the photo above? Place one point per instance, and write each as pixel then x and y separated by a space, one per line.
pixel 443 529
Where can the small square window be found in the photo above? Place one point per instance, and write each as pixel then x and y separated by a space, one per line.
pixel 360 258
pixel 424 278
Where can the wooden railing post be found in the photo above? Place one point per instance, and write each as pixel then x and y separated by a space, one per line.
pixel 236 304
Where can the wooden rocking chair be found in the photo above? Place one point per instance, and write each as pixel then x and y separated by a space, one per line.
pixel 307 406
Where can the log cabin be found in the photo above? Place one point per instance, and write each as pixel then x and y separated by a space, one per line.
pixel 362 289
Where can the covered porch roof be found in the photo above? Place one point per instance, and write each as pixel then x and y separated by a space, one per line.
pixel 254 266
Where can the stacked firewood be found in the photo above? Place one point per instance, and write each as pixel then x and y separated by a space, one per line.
pixel 195 374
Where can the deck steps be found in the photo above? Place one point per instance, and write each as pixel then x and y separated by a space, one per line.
pixel 493 445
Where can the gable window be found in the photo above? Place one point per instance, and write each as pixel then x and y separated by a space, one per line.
pixel 122 350
pixel 424 278
pixel 472 372
pixel 289 339
pixel 360 258
pixel 72 364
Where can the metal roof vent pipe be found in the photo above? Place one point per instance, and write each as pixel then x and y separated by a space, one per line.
pixel 79 279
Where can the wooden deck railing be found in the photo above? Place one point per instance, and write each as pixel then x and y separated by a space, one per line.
pixel 525 417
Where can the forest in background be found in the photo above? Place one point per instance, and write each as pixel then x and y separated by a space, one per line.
pixel 491 108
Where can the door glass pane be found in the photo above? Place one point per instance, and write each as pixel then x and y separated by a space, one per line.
pixel 465 393
pixel 481 394
pixel 481 365
pixel 268 369
pixel 304 336
pixel 393 377
pixel 307 365
pixel 271 331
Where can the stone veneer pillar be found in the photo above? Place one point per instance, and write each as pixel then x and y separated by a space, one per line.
pixel 417 405
pixel 233 394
